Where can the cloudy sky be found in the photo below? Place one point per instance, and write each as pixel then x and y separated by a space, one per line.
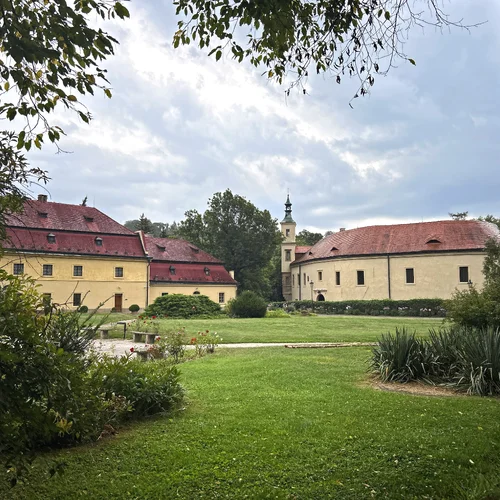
pixel 181 127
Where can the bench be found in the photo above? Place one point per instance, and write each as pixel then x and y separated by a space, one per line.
pixel 150 337
pixel 105 329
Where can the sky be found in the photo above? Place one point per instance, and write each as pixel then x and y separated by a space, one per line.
pixel 181 127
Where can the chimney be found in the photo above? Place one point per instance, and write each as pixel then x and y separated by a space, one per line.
pixel 42 197
pixel 342 229
pixel 231 273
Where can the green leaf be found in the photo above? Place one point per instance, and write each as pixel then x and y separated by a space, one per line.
pixel 412 61
pixel 218 55
pixel 72 98
pixel 387 15
pixel 108 93
pixel 20 139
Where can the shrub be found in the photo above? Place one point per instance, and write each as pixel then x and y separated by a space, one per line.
pixel 83 309
pixel 386 307
pixel 465 358
pixel 183 306
pixel 249 305
pixel 134 308
pixel 468 308
pixel 399 357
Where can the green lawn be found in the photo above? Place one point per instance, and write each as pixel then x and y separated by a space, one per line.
pixel 297 328
pixel 291 424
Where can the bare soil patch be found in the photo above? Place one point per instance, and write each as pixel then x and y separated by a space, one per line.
pixel 414 388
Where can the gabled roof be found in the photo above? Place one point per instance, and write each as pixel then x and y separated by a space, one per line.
pixel 404 238
pixel 65 217
pixel 67 242
pixel 190 273
pixel 176 250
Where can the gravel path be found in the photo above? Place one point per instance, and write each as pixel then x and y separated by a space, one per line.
pixel 122 347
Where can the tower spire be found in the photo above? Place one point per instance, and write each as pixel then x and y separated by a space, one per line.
pixel 288 210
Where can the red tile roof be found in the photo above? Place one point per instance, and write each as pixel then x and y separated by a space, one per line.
pixel 176 250
pixel 35 240
pixel 404 238
pixel 189 273
pixel 65 217
pixel 302 249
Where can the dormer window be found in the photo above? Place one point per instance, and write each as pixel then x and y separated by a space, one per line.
pixel 43 215
pixel 310 253
pixel 172 270
pixel 51 238
pixel 207 271
pixel 194 249
pixel 161 248
pixel 98 242
pixel 433 240
pixel 333 249
pixel 88 219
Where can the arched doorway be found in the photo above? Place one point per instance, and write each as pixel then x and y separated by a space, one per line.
pixel 320 297
pixel 196 293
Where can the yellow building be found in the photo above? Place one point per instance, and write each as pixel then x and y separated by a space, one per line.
pixel 80 256
pixel 400 261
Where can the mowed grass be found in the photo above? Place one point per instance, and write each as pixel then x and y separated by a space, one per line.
pixel 294 328
pixel 289 424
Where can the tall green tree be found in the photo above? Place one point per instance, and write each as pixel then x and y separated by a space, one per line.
pixel 234 230
pixel 50 54
pixel 458 215
pixel 309 238
pixel 490 218
pixel 289 39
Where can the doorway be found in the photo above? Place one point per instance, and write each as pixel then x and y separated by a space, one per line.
pixel 118 302
pixel 320 297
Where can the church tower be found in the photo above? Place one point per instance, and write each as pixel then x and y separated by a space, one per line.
pixel 287 249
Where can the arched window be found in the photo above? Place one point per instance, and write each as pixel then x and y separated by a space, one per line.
pixel 196 293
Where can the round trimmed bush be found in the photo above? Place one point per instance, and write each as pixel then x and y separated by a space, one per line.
pixel 182 306
pixel 134 308
pixel 83 309
pixel 248 305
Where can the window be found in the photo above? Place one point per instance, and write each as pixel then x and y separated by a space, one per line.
pixel 196 293
pixel 77 299
pixel 98 242
pixel 118 272
pixel 164 293
pixel 18 269
pixel 47 269
pixel 308 279
pixel 320 275
pixel 288 255
pixel 172 270
pixel 464 274
pixel 207 271
pixel 361 277
pixel 287 280
pixel 43 215
pixel 51 238
pixel 88 219
pixel 221 298
pixel 78 271
pixel 304 278
pixel 287 232
pixel 293 279
pixel 46 298
pixel 410 276
pixel 337 278
pixel 298 279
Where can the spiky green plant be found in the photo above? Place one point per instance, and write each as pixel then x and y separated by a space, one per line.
pixel 400 357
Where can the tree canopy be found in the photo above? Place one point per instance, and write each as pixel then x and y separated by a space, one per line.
pixel 306 237
pixel 157 229
pixel 291 38
pixel 234 230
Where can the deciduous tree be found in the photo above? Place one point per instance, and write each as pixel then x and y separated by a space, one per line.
pixel 306 237
pixel 234 230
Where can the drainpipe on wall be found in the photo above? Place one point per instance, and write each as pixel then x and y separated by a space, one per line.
pixel 300 282
pixel 389 274
pixel 147 280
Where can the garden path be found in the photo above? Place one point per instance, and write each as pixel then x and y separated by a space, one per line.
pixel 121 347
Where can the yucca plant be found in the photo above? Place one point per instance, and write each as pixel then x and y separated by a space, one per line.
pixel 478 364
pixel 400 357
pixel 444 346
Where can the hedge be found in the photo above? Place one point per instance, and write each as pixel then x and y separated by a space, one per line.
pixel 387 307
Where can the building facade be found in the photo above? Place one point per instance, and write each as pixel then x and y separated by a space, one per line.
pixel 80 256
pixel 400 261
